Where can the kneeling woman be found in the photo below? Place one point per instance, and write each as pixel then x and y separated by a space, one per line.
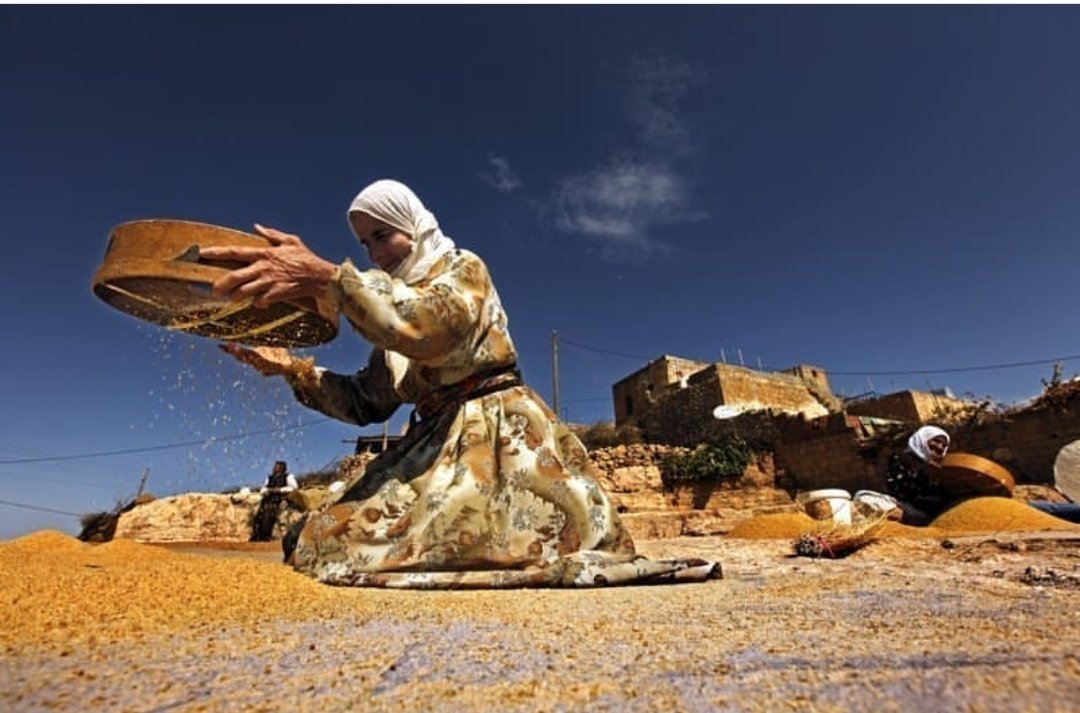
pixel 910 477
pixel 487 488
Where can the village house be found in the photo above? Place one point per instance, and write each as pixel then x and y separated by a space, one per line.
pixel 670 394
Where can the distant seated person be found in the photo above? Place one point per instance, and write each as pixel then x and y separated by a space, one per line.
pixel 278 484
pixel 910 476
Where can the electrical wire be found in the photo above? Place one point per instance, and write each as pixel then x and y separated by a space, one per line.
pixel 567 342
pixel 957 369
pixel 635 357
pixel 80 483
pixel 168 446
pixel 39 508
pixel 900 372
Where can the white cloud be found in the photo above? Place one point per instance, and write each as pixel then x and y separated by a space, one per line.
pixel 500 176
pixel 645 184
pixel 620 202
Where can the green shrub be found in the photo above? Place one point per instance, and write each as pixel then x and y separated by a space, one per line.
pixel 723 460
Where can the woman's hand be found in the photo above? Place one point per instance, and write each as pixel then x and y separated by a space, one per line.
pixel 285 270
pixel 268 361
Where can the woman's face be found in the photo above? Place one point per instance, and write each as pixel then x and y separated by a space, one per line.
pixel 937 446
pixel 386 246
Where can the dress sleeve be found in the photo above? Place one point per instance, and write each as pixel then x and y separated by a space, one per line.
pixel 368 396
pixel 426 322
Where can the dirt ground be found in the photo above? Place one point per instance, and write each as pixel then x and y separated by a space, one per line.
pixel 981 622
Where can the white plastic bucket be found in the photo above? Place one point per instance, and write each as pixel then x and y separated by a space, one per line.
pixel 829 504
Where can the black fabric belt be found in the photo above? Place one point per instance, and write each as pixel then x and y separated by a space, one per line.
pixel 471 387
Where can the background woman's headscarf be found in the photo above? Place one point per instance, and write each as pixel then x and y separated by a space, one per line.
pixel 395 204
pixel 920 440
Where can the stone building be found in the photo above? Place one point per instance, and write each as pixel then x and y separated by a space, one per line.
pixel 673 399
pixel 909 406
pixel 634 395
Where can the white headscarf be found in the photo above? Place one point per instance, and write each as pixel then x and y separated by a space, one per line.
pixel 395 204
pixel 919 441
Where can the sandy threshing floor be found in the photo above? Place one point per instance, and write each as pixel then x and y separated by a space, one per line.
pixel 948 621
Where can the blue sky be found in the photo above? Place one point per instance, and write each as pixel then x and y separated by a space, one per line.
pixel 886 192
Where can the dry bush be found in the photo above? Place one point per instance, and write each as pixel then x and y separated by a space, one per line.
pixel 98 526
pixel 320 477
pixel 1058 395
pixel 604 434
pixel 964 417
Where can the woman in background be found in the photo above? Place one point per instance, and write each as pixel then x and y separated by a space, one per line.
pixel 909 476
pixel 278 484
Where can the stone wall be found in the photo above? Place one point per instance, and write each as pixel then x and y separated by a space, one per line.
pixel 684 416
pixel 634 395
pixel 199 517
pixel 631 477
pixel 912 406
pixel 1026 442
pixel 782 392
pixel 817 382
pixel 850 452
pixel 680 416
pixel 840 451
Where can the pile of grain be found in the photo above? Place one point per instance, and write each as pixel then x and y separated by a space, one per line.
pixel 783 526
pixel 971 516
pixel 56 589
pixel 998 515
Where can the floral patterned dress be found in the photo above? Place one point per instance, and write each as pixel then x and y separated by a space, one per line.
pixel 487 488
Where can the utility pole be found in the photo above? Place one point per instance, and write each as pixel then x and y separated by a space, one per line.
pixel 142 483
pixel 555 371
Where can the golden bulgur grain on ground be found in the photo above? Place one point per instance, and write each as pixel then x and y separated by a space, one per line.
pixel 990 514
pixel 998 515
pixel 122 586
pixel 896 529
pixel 774 526
pixel 138 627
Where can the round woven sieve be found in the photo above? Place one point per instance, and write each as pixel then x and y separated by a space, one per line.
pixel 152 271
